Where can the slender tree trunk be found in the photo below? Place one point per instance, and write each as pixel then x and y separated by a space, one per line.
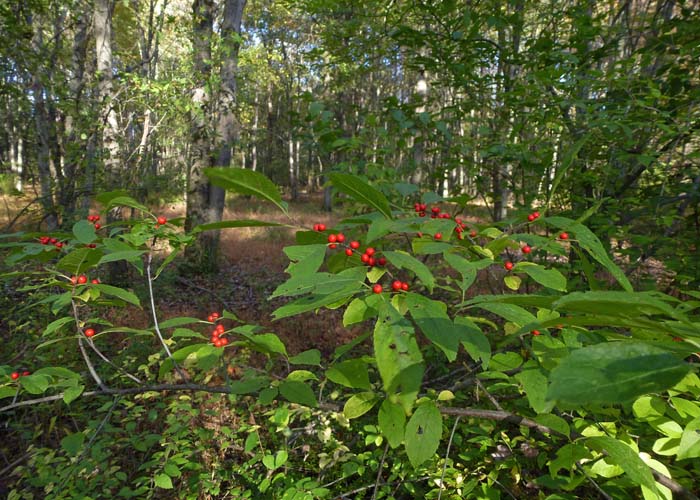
pixel 102 25
pixel 41 121
pixel 205 202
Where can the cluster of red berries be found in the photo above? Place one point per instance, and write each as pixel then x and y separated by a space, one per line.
pixel 334 239
pixel 319 227
pixel 47 240
pixel 161 221
pixel 369 257
pixel 16 375
pixel 95 219
pixel 216 335
pixel 533 216
pixel 396 286
pixel 82 280
pixel 420 208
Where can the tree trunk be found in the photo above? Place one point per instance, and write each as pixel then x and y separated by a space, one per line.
pixel 41 121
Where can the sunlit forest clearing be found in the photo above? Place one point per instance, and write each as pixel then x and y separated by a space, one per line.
pixel 333 249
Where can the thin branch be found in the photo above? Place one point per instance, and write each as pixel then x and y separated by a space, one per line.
pixel 90 367
pixel 600 490
pixel 379 471
pixel 155 318
pixel 447 456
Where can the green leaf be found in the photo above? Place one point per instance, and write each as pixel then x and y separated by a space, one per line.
pixel 351 373
pixel 245 181
pixel 178 321
pixel 7 392
pixel 512 282
pixel 590 242
pixel 35 383
pixel 298 392
pixel 423 433
pixel 119 293
pixel 392 422
pixel 267 343
pixel 567 457
pixel 398 356
pixel 361 192
pixel 56 325
pixel 550 278
pixel 208 356
pixel 625 457
pixel 509 312
pixel 473 340
pixel 126 201
pixel 361 309
pixel 84 231
pixel 249 385
pixel 359 404
pixel 613 372
pixel 404 260
pixel 72 443
pixel 310 357
pixel 228 224
pixel 615 303
pixel 534 381
pixel 128 255
pixel 466 268
pixel 79 260
pixel 163 481
pixel 690 441
pixel 432 319
pixel 72 393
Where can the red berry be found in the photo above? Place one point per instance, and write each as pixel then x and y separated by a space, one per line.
pixel 354 245
pixel 53 241
pixel 220 328
pixel 371 261
pixel 421 214
pixel 536 214
pixel 564 236
pixel 370 251
pixel 333 246
pixel 321 227
pixel 44 240
pixel 215 315
pixel 315 227
pixel 58 244
pixel 340 237
pixel 438 236
pixel 223 341
pixel 527 249
pixel 404 286
pixel 531 218
pixel 508 266
pixel 14 376
pixel 348 252
pixel 217 343
pixel 210 318
pixel 97 225
pixel 26 373
pixel 162 220
pixel 89 332
pixel 92 245
pixel 364 258
pixel 332 238
pixel 381 261
pixel 435 210
pixel 396 286
pixel 535 332
pixel 73 280
pixel 423 207
pixel 95 281
pixel 82 279
pixel 377 288
pixel 420 234
pixel 472 233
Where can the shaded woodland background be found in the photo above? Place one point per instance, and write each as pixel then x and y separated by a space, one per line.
pixel 580 104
